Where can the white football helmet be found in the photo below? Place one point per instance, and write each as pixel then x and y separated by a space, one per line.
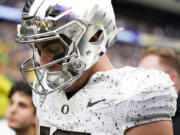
pixel 88 25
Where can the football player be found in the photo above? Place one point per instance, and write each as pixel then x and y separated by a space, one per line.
pixel 77 91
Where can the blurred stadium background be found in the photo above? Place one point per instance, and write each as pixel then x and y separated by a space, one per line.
pixel 146 23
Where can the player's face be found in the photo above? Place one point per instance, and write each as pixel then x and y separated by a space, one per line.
pixel 50 51
pixel 21 112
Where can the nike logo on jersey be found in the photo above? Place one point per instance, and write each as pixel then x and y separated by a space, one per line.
pixel 90 104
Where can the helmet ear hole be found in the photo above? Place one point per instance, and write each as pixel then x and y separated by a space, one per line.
pixel 96 36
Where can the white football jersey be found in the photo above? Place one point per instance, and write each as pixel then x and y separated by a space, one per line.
pixel 110 103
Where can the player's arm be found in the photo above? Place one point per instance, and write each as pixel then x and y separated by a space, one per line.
pixel 154 128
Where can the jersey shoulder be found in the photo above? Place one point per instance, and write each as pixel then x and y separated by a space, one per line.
pixel 137 80
pixel 130 81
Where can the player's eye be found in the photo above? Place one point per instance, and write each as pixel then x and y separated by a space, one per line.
pixel 53 50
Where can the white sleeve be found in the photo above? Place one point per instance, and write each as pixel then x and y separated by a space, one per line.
pixel 155 99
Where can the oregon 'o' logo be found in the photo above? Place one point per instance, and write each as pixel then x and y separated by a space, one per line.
pixel 65 109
